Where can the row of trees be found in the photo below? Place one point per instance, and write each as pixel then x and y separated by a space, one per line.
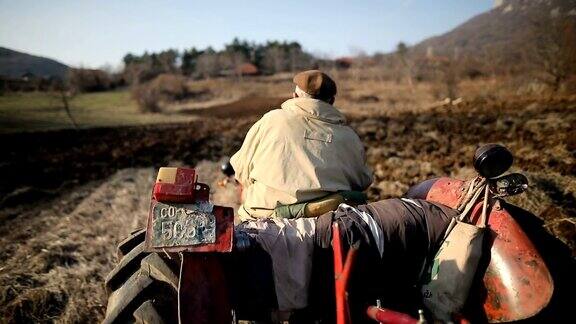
pixel 270 57
pixel 551 57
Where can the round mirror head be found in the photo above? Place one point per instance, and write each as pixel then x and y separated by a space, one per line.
pixel 491 160
pixel 227 168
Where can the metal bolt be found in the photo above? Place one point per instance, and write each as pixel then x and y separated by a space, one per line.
pixel 421 318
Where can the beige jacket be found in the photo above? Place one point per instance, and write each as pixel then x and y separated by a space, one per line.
pixel 298 153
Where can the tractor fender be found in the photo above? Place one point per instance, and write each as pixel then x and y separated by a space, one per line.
pixel 516 282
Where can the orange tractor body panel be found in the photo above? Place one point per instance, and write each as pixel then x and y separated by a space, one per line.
pixel 516 283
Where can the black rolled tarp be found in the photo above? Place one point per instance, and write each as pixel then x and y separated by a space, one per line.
pixel 412 230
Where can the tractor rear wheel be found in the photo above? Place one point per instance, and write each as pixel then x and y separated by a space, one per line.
pixel 143 286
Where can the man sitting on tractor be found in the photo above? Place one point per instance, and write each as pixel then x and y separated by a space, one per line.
pixel 303 152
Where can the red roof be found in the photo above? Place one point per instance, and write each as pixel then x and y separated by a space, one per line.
pixel 247 69
pixel 344 62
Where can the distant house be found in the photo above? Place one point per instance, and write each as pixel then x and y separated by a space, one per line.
pixel 247 69
pixel 28 81
pixel 28 76
pixel 344 62
pixel 244 69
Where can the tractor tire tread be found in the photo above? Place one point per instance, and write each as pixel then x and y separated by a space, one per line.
pixel 124 269
pixel 148 314
pixel 129 243
pixel 143 289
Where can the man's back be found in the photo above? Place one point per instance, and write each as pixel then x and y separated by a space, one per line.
pixel 298 153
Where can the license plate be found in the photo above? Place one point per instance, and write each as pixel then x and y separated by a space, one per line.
pixel 181 225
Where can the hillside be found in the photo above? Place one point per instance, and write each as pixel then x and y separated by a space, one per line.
pixel 14 64
pixel 505 33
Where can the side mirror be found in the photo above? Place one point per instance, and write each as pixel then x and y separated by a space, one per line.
pixel 227 169
pixel 492 160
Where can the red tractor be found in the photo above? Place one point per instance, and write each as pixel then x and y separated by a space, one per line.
pixel 187 266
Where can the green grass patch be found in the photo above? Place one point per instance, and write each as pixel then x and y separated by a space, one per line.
pixel 34 111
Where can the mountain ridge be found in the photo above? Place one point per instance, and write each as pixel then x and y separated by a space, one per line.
pixel 14 64
pixel 505 31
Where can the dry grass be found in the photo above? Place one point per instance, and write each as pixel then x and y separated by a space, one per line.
pixel 55 258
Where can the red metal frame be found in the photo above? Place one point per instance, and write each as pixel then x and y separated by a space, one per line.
pixel 386 316
pixel 203 292
pixel 204 297
pixel 342 275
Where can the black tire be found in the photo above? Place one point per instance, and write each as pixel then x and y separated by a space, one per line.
pixel 142 288
pixel 129 243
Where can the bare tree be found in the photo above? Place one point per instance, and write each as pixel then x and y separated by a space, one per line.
pixel 66 104
pixel 360 61
pixel 62 92
pixel 555 50
pixel 293 58
pixel 88 80
pixel 208 64
pixel 167 61
pixel 233 61
pixel 274 59
pixel 450 75
pixel 402 52
pixel 298 59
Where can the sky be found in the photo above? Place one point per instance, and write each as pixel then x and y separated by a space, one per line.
pixel 92 33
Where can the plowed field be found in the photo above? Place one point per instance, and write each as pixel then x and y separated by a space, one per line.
pixel 67 197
